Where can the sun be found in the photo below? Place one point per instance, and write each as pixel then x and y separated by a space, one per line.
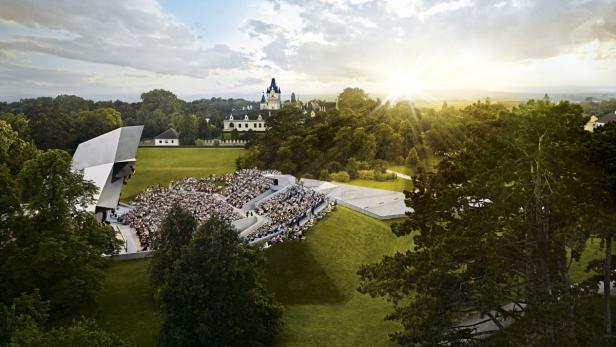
pixel 404 86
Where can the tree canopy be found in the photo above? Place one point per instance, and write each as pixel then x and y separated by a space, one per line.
pixel 493 226
pixel 213 294
pixel 47 241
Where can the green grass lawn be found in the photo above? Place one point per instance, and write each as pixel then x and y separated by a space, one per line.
pixel 316 281
pixel 592 251
pixel 428 164
pixel 161 165
pixel 125 306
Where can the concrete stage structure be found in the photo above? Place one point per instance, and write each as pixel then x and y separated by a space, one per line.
pixel 376 203
pixel 108 161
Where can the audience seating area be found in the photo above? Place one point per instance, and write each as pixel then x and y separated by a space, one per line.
pixel 288 213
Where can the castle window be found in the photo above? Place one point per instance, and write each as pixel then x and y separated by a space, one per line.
pixel 239 125
pixel 254 125
pixel 231 125
pixel 246 125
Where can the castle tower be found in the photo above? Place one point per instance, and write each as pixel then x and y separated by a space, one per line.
pixel 274 101
pixel 263 104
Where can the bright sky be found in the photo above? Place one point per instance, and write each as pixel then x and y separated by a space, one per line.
pixel 110 49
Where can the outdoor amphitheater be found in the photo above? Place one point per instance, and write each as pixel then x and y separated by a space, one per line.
pixel 263 206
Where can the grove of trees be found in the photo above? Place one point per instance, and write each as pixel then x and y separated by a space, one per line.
pixel 64 121
pixel 51 249
pixel 362 133
pixel 498 225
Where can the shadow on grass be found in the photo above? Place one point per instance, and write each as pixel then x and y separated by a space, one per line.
pixel 296 278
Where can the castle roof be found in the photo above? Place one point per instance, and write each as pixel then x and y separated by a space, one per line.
pixel 273 86
pixel 607 118
pixel 262 97
pixel 252 114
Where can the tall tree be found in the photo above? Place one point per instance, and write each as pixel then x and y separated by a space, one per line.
pixel 174 233
pixel 603 153
pixel 495 222
pixel 51 242
pixel 215 294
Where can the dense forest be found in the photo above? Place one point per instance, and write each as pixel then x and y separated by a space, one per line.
pixel 66 120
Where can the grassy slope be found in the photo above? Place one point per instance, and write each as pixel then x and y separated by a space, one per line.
pixel 161 165
pixel 316 281
pixel 125 306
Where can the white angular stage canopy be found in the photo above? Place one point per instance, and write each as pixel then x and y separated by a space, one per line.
pixel 107 160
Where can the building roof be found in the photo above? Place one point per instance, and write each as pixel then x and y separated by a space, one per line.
pixel 169 134
pixel 607 118
pixel 263 98
pixel 273 86
pixel 252 114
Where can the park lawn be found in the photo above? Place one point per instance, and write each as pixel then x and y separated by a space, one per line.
pixel 316 281
pixel 429 164
pixel 161 165
pixel 396 185
pixel 125 306
pixel 592 251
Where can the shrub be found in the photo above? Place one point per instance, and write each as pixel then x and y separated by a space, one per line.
pixel 363 165
pixel 340 176
pixel 365 174
pixel 216 143
pixel 199 142
pixel 333 166
pixel 379 165
pixel 413 158
pixel 351 167
pixel 384 176
pixel 324 175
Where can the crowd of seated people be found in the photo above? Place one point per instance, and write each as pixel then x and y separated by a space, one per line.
pixel 286 209
pixel 245 185
pixel 195 195
pixel 216 197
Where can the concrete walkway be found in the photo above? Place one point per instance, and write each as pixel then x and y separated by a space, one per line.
pixel 485 326
pixel 399 174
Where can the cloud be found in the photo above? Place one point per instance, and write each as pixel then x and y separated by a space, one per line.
pixel 260 29
pixel 364 38
pixel 134 34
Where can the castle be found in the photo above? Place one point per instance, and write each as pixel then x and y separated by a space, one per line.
pixel 273 101
pixel 251 119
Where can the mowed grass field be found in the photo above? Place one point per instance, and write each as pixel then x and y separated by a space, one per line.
pixel 161 165
pixel 125 305
pixel 314 279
